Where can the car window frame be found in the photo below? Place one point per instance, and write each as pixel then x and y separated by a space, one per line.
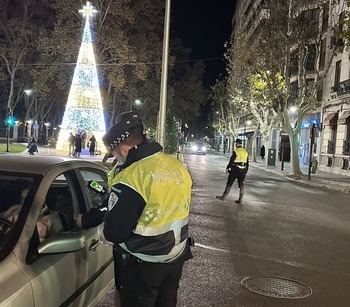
pixel 17 229
pixel 80 176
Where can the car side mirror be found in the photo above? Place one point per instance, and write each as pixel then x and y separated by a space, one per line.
pixel 62 243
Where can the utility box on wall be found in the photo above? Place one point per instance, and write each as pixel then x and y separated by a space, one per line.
pixel 271 157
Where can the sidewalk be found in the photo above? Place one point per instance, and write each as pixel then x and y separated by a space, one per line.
pixel 336 182
pixel 51 151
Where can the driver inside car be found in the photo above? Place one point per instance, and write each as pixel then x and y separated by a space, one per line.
pixel 48 224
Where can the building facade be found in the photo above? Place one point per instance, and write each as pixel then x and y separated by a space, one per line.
pixel 331 117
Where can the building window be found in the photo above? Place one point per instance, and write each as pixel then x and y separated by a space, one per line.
pixel 319 94
pixel 337 75
pixel 323 53
pixel 325 17
pixel 294 62
pixel 311 58
pixel 293 92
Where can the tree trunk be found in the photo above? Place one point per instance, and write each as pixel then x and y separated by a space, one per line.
pixel 294 148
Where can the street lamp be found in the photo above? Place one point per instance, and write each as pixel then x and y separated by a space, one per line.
pixel 31 100
pixel 137 102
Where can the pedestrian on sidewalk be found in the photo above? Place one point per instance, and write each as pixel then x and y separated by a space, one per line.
pixel 32 146
pixel 71 141
pixel 92 145
pixel 262 152
pixel 78 145
pixel 237 168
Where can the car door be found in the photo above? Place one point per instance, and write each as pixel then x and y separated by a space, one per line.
pixel 57 279
pixel 99 255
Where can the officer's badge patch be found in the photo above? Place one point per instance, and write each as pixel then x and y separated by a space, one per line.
pixel 112 200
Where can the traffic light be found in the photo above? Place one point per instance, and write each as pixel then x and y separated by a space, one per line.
pixel 10 121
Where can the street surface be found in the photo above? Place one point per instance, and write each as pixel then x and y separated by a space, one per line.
pixel 283 229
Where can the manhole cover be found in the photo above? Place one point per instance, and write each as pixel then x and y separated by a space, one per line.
pixel 277 287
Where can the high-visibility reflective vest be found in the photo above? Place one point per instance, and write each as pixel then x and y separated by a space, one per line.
pixel 241 155
pixel 162 229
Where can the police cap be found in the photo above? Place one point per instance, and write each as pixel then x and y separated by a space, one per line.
pixel 127 123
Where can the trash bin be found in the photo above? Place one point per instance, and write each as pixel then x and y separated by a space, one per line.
pixel 314 166
pixel 271 157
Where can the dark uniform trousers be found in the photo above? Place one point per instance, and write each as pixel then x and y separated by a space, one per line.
pixel 239 174
pixel 146 284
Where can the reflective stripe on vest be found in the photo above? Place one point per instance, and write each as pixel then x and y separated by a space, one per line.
pixel 241 155
pixel 162 229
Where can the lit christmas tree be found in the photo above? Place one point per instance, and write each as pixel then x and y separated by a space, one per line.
pixel 84 110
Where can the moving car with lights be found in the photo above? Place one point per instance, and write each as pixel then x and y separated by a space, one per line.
pixel 198 148
pixel 47 259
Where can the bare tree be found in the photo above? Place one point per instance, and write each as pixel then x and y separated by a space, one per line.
pixel 288 62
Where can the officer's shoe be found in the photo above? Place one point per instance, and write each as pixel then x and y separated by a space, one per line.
pixel 220 197
pixel 239 201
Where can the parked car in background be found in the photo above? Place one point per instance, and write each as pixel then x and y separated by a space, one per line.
pixel 46 259
pixel 198 148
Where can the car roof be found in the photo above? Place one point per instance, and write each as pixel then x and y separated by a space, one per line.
pixel 38 164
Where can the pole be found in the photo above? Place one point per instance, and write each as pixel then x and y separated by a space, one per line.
pixel 312 141
pixel 164 79
pixel 282 155
pixel 8 129
pixel 244 132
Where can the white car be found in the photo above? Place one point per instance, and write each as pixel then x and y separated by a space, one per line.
pixel 68 266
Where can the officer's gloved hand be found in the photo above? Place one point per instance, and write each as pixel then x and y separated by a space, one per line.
pixel 92 218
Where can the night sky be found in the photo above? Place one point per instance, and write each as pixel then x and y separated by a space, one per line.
pixel 204 26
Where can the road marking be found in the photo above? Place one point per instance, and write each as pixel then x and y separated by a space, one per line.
pixel 212 248
pixel 290 263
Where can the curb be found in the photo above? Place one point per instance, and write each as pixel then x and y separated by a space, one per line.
pixel 316 182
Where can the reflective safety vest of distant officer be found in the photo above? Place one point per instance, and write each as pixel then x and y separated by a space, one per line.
pixel 237 168
pixel 147 218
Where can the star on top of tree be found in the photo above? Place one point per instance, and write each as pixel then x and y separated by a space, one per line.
pixel 88 10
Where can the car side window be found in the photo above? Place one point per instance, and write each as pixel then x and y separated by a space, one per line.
pixel 62 207
pixel 96 187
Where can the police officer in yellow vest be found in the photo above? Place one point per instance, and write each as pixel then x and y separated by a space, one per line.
pixel 237 168
pixel 147 218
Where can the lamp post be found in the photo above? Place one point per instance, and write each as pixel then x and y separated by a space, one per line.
pixel 9 119
pixel 164 77
pixel 30 93
pixel 54 133
pixel 47 125
pixel 246 123
pixel 29 128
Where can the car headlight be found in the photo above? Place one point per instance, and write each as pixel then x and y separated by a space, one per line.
pixel 204 148
pixel 194 148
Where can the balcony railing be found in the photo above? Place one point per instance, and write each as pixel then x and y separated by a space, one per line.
pixel 342 88
pixel 346 147
pixel 331 147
